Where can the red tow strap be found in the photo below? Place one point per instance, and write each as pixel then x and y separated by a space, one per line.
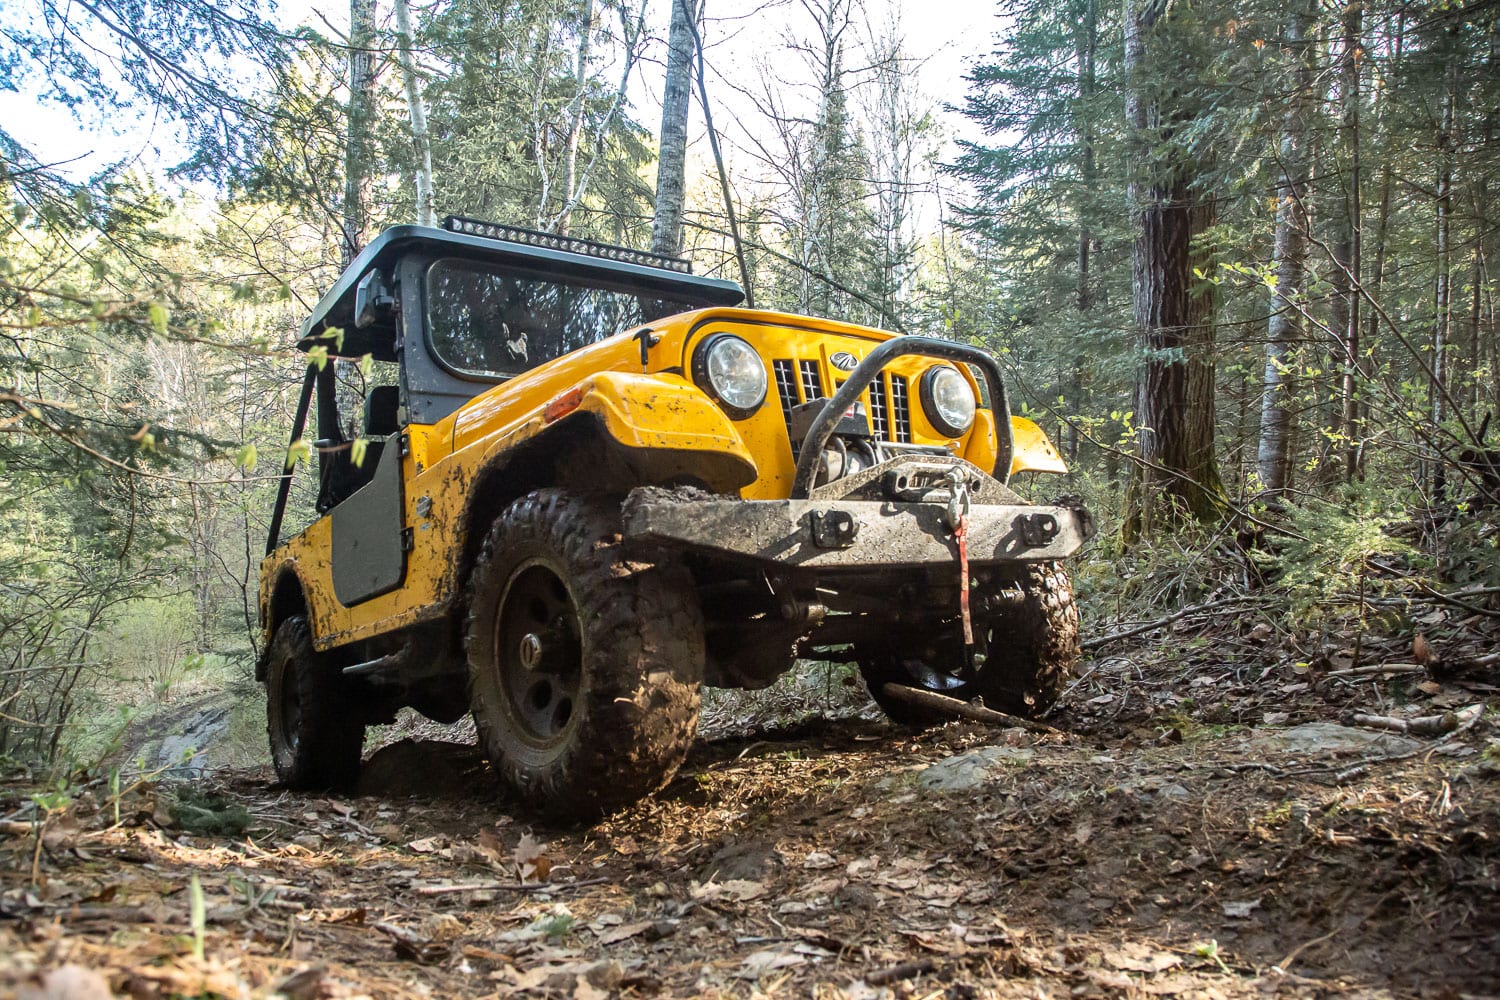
pixel 961 535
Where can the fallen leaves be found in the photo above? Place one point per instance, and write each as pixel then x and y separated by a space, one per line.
pixel 735 890
pixel 1240 910
pixel 532 860
pixel 414 946
pixel 768 960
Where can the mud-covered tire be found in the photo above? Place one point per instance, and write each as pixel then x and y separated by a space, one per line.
pixel 1033 648
pixel 608 706
pixel 315 728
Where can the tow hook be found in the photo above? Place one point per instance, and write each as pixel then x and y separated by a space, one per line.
pixel 1037 530
pixel 834 529
pixel 958 497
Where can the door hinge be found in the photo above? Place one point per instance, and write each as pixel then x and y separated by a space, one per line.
pixel 408 540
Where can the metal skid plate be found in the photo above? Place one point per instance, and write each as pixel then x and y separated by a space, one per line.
pixel 853 534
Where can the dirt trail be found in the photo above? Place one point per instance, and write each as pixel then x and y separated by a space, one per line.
pixel 1142 852
pixel 173 744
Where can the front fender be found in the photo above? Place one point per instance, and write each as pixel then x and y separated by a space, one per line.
pixel 1032 450
pixel 668 427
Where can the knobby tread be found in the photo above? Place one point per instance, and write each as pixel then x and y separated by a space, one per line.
pixel 641 631
pixel 1033 649
pixel 330 736
pixel 1035 646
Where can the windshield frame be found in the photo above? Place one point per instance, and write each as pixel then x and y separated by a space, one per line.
pixel 635 288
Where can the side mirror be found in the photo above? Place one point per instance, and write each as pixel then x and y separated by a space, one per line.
pixel 370 296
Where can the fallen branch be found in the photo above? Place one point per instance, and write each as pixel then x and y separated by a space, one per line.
pixel 445 890
pixel 896 973
pixel 1425 725
pixel 1379 668
pixel 961 709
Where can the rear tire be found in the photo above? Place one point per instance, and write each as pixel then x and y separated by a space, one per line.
pixel 315 729
pixel 584 667
pixel 1033 648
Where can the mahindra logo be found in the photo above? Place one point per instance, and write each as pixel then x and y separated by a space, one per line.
pixel 844 361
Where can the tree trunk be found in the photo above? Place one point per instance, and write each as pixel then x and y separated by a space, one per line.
pixel 1476 297
pixel 359 146
pixel 575 118
pixel 1177 474
pixel 1376 288
pixel 666 227
pixel 1087 47
pixel 1288 297
pixel 1352 239
pixel 1442 293
pixel 426 212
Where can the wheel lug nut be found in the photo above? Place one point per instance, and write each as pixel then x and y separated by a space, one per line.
pixel 531 651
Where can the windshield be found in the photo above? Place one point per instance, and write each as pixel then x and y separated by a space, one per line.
pixel 493 324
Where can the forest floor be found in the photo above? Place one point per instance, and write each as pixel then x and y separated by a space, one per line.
pixel 1204 822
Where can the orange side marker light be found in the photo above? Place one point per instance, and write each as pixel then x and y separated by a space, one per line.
pixel 563 405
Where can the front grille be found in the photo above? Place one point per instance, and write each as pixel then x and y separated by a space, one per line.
pixel 890 409
pixel 812 381
pixel 786 388
pixel 901 409
pixel 879 419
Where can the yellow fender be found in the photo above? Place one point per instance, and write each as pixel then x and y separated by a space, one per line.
pixel 658 416
pixel 1031 450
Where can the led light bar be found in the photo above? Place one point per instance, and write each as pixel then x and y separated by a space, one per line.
pixel 551 241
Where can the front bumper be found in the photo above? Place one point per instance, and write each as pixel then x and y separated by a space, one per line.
pixel 854 534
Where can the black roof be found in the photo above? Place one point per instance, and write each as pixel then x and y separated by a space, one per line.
pixel 336 307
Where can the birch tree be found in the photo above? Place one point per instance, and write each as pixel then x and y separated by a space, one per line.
pixel 1288 291
pixel 666 226
pixel 405 43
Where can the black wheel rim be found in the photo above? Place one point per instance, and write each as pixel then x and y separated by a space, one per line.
pixel 539 654
pixel 922 674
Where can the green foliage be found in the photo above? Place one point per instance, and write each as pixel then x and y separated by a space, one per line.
pixel 173 58
pixel 557 925
pixel 208 813
pixel 1328 557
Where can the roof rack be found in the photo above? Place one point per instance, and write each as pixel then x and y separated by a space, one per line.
pixel 551 241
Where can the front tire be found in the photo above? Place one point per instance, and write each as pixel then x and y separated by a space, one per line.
pixel 1033 648
pixel 315 729
pixel 584 666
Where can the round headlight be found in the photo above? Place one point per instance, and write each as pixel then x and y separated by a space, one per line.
pixel 948 400
pixel 732 372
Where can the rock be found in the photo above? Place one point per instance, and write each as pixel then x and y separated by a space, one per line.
pixel 970 770
pixel 1329 737
pixel 742 860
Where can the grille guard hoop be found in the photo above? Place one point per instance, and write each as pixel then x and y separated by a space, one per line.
pixel 869 369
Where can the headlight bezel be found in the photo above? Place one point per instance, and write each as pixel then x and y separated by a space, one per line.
pixel 929 391
pixel 703 377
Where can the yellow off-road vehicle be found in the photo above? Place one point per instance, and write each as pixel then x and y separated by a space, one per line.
pixel 588 485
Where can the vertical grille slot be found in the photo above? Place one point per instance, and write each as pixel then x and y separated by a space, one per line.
pixel 786 388
pixel 880 423
pixel 812 381
pixel 901 409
